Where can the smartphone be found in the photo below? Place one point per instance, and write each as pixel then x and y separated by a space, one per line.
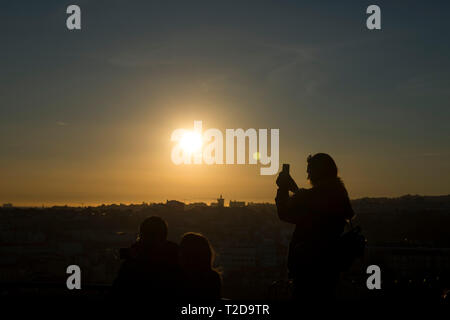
pixel 286 167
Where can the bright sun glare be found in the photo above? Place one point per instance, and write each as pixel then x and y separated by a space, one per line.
pixel 191 142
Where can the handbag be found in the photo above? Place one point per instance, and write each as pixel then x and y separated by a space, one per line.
pixel 351 245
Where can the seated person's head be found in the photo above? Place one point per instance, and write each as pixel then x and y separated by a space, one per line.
pixel 196 253
pixel 153 231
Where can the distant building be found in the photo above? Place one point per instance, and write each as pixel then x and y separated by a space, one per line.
pixel 220 202
pixel 196 205
pixel 237 204
pixel 174 204
pixel 7 205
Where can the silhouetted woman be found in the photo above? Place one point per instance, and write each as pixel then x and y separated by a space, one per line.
pixel 320 215
pixel 200 280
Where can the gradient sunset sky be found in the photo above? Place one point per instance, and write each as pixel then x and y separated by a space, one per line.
pixel 86 116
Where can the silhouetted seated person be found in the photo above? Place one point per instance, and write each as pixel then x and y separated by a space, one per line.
pixel 200 280
pixel 150 269
pixel 320 215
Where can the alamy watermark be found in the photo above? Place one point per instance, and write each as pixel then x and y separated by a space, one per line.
pixel 197 147
pixel 73 21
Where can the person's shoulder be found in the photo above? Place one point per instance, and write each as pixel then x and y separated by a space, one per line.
pixel 129 264
pixel 216 275
pixel 217 283
pixel 210 276
pixel 212 279
pixel 171 245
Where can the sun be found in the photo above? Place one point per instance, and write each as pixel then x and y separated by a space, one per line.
pixel 191 142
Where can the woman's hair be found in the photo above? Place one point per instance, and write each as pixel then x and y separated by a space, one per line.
pixel 321 168
pixel 196 252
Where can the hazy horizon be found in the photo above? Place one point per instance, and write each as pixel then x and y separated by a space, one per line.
pixel 208 201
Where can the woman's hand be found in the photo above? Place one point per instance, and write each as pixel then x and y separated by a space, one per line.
pixel 285 182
